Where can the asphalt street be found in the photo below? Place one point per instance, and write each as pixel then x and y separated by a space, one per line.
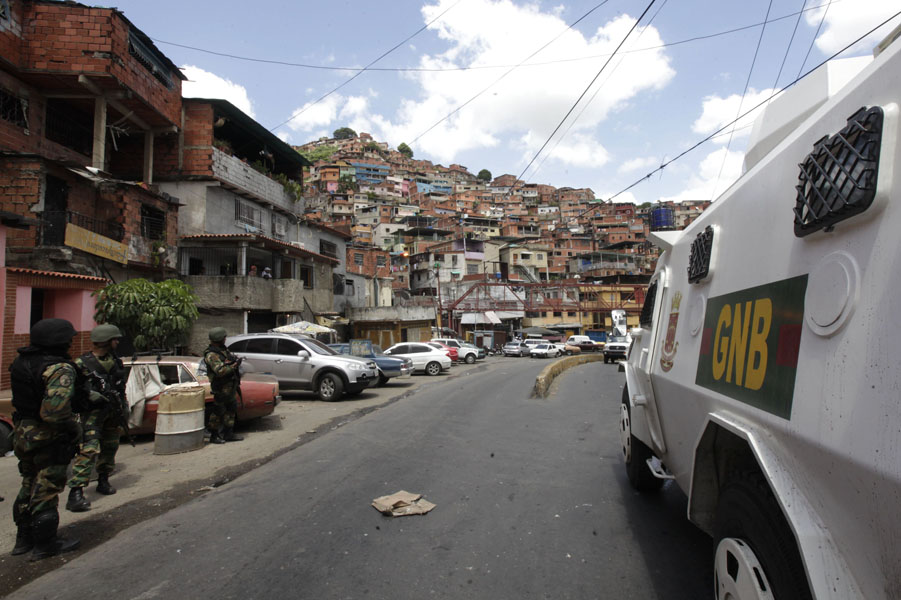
pixel 532 502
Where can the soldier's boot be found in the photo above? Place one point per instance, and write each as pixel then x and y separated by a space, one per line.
pixel 46 542
pixel 24 539
pixel 77 502
pixel 216 437
pixel 229 435
pixel 103 485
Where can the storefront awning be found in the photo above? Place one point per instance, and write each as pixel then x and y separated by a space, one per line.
pixel 473 318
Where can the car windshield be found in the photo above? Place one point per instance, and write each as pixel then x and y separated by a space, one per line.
pixel 317 347
pixel 617 338
pixel 541 346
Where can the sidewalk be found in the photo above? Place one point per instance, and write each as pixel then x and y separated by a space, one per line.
pixel 150 484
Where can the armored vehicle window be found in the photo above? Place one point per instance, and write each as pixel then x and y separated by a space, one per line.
pixel 647 311
pixel 699 258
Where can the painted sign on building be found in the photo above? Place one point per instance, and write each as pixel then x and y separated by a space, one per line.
pixel 94 243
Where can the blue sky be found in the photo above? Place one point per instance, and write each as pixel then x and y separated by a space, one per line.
pixel 660 93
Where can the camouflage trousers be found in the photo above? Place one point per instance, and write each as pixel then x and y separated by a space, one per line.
pixel 43 460
pixel 100 442
pixel 223 411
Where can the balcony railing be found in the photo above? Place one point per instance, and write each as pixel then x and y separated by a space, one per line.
pixel 238 174
pixel 53 227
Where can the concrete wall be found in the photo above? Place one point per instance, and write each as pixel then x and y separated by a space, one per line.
pixel 198 339
pixel 254 293
pixel 392 313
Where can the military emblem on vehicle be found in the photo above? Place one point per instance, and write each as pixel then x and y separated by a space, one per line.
pixel 668 354
pixel 750 344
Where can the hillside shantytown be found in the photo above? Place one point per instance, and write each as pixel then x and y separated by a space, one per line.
pixel 107 174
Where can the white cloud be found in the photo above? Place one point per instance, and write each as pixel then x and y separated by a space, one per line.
pixel 640 163
pixel 310 116
pixel 846 21
pixel 203 84
pixel 717 111
pixel 528 103
pixel 716 172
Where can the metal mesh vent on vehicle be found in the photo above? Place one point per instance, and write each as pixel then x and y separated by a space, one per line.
pixel 647 311
pixel 699 257
pixel 838 179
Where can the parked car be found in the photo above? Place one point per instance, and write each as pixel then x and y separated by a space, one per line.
pixel 532 342
pixel 617 348
pixel 389 366
pixel 585 343
pixel 259 393
pixel 468 353
pixel 568 349
pixel 302 363
pixel 515 349
pixel 545 350
pixel 451 351
pixel 426 358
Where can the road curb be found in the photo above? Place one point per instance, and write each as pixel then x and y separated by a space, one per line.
pixel 546 377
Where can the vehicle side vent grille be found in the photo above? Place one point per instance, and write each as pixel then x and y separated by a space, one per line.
pixel 647 311
pixel 838 179
pixel 699 258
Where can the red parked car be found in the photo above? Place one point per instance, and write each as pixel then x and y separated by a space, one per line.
pixel 451 351
pixel 260 392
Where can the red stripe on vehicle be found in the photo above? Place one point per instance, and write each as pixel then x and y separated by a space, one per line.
pixel 789 345
pixel 706 341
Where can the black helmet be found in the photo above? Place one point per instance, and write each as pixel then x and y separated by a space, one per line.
pixel 50 333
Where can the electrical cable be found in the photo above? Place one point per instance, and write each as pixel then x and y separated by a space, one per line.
pixel 790 42
pixel 482 67
pixel 582 95
pixel 361 71
pixel 741 102
pixel 750 110
pixel 813 41
pixel 490 85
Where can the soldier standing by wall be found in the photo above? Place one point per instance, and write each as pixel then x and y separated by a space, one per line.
pixel 45 386
pixel 101 420
pixel 222 368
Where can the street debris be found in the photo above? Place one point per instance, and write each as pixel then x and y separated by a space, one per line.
pixel 401 504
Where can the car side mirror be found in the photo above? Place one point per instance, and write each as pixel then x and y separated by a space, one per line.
pixel 303 353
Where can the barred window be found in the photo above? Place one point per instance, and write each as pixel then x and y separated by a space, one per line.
pixel 279 226
pixel 248 214
pixel 13 108
pixel 380 261
pixel 327 248
pixel 358 258
pixel 153 223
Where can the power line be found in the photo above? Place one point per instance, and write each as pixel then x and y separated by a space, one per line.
pixel 750 110
pixel 482 67
pixel 585 91
pixel 790 42
pixel 490 85
pixel 361 71
pixel 813 41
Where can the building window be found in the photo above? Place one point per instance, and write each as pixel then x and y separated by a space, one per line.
pixel 380 261
pixel 349 287
pixel 248 214
pixel 13 108
pixel 327 248
pixel 358 258
pixel 279 226
pixel 153 223
pixel 558 314
pixel 69 127
pixel 306 276
pixel 4 10
pixel 472 269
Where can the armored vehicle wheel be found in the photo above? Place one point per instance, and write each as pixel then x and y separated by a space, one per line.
pixel 470 358
pixel 635 452
pixel 433 368
pixel 329 387
pixel 756 555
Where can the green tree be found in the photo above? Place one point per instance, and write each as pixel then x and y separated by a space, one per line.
pixel 484 175
pixel 318 153
pixel 405 150
pixel 347 183
pixel 344 133
pixel 156 316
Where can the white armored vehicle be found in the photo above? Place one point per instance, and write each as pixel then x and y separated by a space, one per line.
pixel 765 375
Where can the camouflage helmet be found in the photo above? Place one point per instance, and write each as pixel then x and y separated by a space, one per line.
pixel 52 332
pixel 104 333
pixel 218 334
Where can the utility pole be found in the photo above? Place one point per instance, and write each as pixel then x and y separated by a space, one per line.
pixel 438 308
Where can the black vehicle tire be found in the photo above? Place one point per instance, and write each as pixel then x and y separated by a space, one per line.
pixel 329 387
pixel 636 453
pixel 382 380
pixel 606 359
pixel 751 530
pixel 353 393
pixel 6 438
pixel 433 368
pixel 470 358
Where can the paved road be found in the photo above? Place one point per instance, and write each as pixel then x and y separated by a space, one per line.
pixel 532 502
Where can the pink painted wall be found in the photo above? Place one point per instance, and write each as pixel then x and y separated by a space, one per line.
pixel 23 310
pixel 76 306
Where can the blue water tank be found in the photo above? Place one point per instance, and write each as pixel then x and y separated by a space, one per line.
pixel 662 218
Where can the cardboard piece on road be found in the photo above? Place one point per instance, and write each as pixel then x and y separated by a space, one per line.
pixel 401 504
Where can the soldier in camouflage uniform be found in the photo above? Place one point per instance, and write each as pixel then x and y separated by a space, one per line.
pixel 47 389
pixel 100 422
pixel 222 369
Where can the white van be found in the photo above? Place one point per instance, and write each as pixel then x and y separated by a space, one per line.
pixel 763 377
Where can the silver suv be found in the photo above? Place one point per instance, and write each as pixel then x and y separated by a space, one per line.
pixel 302 363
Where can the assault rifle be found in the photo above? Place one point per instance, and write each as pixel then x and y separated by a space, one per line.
pixel 116 402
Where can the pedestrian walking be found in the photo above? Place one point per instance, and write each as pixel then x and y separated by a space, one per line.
pixel 225 380
pixel 46 388
pixel 103 418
